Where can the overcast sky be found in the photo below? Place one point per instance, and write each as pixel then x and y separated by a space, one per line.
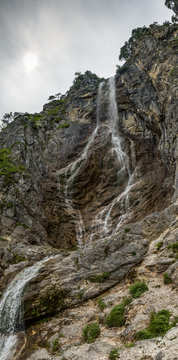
pixel 44 42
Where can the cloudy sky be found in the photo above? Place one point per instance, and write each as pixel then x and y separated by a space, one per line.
pixel 44 42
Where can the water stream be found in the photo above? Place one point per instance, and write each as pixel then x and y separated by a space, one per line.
pixel 102 225
pixel 11 309
pixel 71 172
pixel 107 122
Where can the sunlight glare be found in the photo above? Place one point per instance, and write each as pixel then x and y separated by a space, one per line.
pixel 30 61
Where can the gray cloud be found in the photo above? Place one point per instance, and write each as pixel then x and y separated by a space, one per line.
pixel 67 36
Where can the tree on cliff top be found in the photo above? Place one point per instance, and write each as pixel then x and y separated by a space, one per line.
pixel 173 5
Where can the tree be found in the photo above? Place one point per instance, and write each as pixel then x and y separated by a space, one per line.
pixel 7 118
pixel 173 5
pixel 77 73
pixel 51 97
pixel 58 95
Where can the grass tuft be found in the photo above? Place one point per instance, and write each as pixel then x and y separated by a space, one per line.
pixel 138 288
pixel 158 326
pixel 91 332
pixel 116 316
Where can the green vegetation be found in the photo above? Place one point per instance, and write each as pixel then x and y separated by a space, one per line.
pixel 127 230
pixel 174 247
pixel 35 120
pixel 63 126
pixel 138 288
pixel 7 167
pixel 5 204
pixel 129 345
pixel 55 345
pixel 21 224
pixel 49 303
pixel 18 258
pixel 127 52
pixel 158 326
pixel 56 114
pixel 101 304
pixel 137 34
pixel 166 278
pixel 3 239
pixel 114 354
pixel 116 316
pixel 174 71
pixel 91 332
pixel 85 79
pixel 80 294
pixel 100 277
pixel 159 245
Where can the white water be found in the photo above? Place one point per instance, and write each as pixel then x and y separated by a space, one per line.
pixel 11 310
pixel 102 224
pixel 71 173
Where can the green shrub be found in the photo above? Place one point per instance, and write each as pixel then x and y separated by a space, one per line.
pixel 174 247
pixel 158 326
pixel 159 245
pixel 91 332
pixel 7 167
pixel 101 304
pixel 129 345
pixel 116 316
pixel 114 354
pixel 127 301
pixel 166 278
pixel 35 120
pixel 138 288
pixel 18 258
pixel 127 229
pixel 100 277
pixel 63 126
pixel 55 345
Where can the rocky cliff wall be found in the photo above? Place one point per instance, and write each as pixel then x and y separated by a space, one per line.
pixel 95 170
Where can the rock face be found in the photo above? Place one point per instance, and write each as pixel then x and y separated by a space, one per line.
pixel 95 172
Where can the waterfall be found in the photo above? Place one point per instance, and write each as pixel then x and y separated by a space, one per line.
pixel 101 224
pixel 11 310
pixel 107 123
pixel 71 172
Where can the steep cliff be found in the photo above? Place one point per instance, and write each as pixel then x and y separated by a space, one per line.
pixel 92 178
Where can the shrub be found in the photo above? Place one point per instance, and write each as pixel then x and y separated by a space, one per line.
pixel 91 332
pixel 158 326
pixel 127 229
pixel 7 167
pixel 114 354
pixel 101 304
pixel 63 126
pixel 166 278
pixel 174 247
pixel 129 345
pixel 138 288
pixel 159 245
pixel 55 345
pixel 127 50
pixel 100 277
pixel 116 316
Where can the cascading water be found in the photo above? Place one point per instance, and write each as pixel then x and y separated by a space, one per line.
pixel 11 311
pixel 71 173
pixel 100 225
pixel 107 123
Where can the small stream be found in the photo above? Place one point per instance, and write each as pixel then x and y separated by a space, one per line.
pixel 11 309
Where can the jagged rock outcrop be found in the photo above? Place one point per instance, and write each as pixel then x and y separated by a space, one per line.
pixel 95 172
